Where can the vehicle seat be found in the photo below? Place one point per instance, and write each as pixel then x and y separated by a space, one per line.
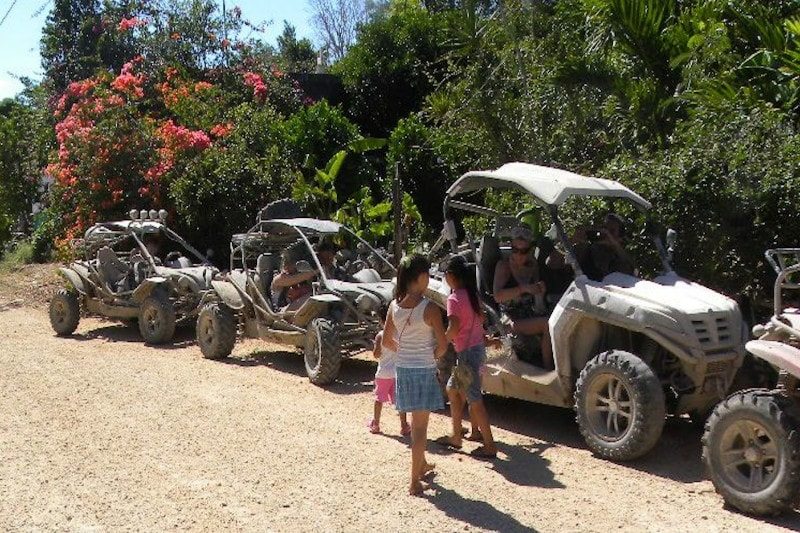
pixel 111 268
pixel 488 257
pixel 265 272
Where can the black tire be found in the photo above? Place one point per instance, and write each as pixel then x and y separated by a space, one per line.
pixel 762 426
pixel 157 318
pixel 283 208
pixel 216 331
pixel 322 356
pixel 608 384
pixel 65 312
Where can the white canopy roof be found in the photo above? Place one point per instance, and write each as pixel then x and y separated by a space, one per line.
pixel 551 186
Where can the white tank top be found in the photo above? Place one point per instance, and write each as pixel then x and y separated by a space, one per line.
pixel 415 338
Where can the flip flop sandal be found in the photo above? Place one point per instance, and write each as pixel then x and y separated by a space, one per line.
pixel 475 436
pixel 481 453
pixel 447 443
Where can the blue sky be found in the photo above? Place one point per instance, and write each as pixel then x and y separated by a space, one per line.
pixel 20 33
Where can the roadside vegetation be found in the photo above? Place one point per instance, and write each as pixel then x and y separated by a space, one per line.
pixel 172 105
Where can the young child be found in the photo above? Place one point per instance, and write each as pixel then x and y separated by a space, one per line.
pixel 415 330
pixel 465 330
pixel 385 385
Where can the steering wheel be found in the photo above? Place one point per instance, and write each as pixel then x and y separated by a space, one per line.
pixel 172 256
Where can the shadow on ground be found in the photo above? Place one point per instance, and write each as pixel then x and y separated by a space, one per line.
pixel 675 457
pixel 355 376
pixel 476 513
pixel 120 332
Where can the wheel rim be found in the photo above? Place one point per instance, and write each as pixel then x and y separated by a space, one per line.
pixel 206 330
pixel 749 456
pixel 609 407
pixel 312 354
pixel 152 320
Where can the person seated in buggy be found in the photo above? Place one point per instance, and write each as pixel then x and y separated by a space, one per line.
pixel 601 251
pixel 326 253
pixel 521 292
pixel 293 283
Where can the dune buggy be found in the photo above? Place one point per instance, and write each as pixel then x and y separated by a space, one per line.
pixel 626 350
pixel 133 270
pixel 751 443
pixel 338 318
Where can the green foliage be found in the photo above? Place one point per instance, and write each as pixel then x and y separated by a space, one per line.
pixel 21 254
pixel 219 193
pixel 297 55
pixel 729 186
pixel 392 67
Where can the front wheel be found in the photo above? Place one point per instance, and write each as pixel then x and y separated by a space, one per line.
pixel 751 451
pixel 216 331
pixel 65 312
pixel 322 357
pixel 620 406
pixel 157 318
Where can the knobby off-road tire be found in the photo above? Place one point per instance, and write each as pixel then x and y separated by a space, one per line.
pixel 322 356
pixel 620 406
pixel 157 318
pixel 751 451
pixel 65 312
pixel 216 331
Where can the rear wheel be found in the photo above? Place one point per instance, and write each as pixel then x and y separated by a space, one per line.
pixel 620 406
pixel 157 318
pixel 216 331
pixel 751 451
pixel 65 312
pixel 322 357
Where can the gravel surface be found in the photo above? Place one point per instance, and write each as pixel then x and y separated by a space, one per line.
pixel 100 432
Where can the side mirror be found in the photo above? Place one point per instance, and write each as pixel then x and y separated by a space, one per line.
pixel 672 238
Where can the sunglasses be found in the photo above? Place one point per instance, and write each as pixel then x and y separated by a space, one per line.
pixel 521 251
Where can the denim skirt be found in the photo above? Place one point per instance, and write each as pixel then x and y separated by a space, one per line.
pixel 418 390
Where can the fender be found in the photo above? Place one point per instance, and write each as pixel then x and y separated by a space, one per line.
pixel 74 279
pixel 146 288
pixel 228 294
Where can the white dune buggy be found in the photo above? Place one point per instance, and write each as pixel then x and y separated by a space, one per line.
pixel 751 444
pixel 133 270
pixel 338 319
pixel 627 350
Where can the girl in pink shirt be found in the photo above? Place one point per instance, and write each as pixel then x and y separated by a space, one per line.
pixel 465 331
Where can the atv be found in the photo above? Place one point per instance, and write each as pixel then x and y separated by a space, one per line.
pixel 751 443
pixel 136 270
pixel 627 351
pixel 337 317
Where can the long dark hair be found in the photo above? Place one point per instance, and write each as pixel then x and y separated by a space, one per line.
pixel 459 268
pixel 411 266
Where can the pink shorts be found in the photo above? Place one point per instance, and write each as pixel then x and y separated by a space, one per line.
pixel 384 390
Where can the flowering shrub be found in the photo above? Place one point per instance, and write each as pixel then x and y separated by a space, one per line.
pixel 129 23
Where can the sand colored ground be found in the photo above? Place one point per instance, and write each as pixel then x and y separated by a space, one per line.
pixel 100 432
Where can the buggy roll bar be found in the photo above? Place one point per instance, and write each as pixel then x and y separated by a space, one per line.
pixel 777 259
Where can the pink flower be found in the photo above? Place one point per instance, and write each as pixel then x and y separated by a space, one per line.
pixel 260 89
pixel 130 23
pixel 127 82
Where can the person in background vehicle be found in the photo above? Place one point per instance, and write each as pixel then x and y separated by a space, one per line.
pixel 296 285
pixel 519 290
pixel 326 253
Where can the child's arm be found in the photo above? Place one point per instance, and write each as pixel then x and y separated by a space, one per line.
pixel 388 332
pixel 377 345
pixel 433 317
pixel 453 327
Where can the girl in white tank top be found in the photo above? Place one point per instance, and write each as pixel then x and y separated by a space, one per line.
pixel 415 330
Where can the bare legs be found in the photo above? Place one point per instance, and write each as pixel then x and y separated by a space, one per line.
pixel 480 418
pixel 537 326
pixel 376 420
pixel 419 442
pixel 457 400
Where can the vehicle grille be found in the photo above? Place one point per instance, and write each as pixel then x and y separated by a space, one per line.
pixel 713 332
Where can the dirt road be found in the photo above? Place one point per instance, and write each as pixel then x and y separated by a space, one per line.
pixel 99 432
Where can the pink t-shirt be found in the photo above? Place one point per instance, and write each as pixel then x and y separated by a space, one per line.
pixel 470 331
